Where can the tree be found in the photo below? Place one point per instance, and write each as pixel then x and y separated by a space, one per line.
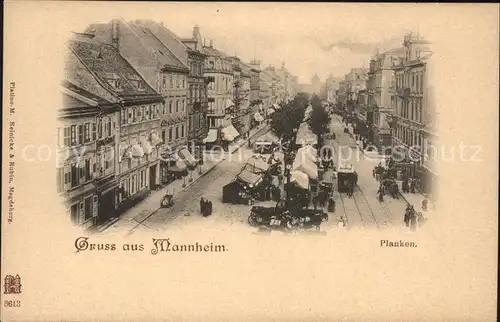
pixel 289 117
pixel 319 119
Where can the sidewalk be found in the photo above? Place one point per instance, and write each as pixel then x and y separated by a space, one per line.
pixel 133 216
pixel 414 199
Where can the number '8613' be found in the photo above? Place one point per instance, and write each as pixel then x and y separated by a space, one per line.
pixel 10 303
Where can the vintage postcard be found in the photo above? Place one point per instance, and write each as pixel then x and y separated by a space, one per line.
pixel 249 161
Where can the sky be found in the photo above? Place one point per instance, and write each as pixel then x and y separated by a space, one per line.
pixel 321 38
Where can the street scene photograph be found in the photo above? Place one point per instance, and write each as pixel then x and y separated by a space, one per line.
pixel 271 131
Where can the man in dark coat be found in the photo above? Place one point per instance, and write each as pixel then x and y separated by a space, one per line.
pixel 202 206
pixel 412 185
pixel 315 202
pixel 209 208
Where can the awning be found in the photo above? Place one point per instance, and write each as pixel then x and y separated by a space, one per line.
pixel 306 166
pixel 306 138
pixel 137 151
pixel 155 139
pixel 268 137
pixel 179 166
pixel 257 165
pixel 211 136
pixel 187 157
pixel 230 133
pixel 300 178
pixel 249 177
pixel 146 146
pixel 308 152
pixel 258 117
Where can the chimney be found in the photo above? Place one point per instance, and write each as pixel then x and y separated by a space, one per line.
pixel 196 31
pixel 115 33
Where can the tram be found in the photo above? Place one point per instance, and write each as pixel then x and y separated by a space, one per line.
pixel 346 174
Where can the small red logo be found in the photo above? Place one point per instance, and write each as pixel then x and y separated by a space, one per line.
pixel 12 284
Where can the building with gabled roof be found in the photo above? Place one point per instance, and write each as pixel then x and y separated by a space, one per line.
pixel 166 72
pixel 99 88
pixel 189 52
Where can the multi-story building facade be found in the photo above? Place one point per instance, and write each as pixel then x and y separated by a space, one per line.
pixel 267 93
pixel 409 103
pixel 273 82
pixel 188 51
pixel 164 72
pixel 112 116
pixel 380 77
pixel 355 81
pixel 342 94
pixel 244 99
pixel 219 70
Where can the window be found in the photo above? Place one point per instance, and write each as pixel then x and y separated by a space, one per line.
pixel 94 131
pixel 182 130
pixel 134 114
pixel 109 127
pixel 163 109
pixel 163 136
pixel 183 105
pixel 176 132
pixel 170 107
pixel 74 175
pixel 88 208
pixel 141 115
pixel 177 83
pixel 171 82
pixel 88 173
pixel 177 106
pixel 170 136
pixel 148 111
pixel 67 136
pixel 164 81
pixel 189 123
pixel 183 82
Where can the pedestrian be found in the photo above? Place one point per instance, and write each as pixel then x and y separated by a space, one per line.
pixel 342 222
pixel 412 185
pixel 209 208
pixel 413 220
pixel 315 203
pixel 405 184
pixel 407 217
pixel 202 205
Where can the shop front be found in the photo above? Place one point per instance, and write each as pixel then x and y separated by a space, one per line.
pixel 107 193
pixel 172 167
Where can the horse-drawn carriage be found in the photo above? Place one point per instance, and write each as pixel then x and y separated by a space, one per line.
pixel 287 220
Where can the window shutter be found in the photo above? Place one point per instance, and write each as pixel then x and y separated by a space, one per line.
pixel 94 131
pixel 81 214
pixel 80 134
